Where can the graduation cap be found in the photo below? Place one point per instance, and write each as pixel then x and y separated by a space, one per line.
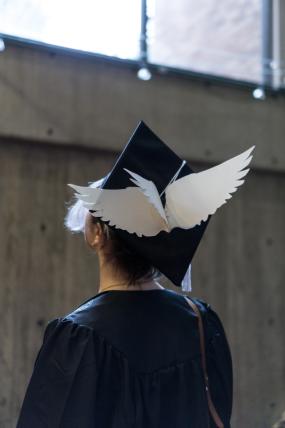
pixel 158 205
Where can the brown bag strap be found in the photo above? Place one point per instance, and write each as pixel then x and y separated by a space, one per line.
pixel 212 409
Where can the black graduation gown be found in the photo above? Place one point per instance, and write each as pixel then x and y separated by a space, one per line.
pixel 129 359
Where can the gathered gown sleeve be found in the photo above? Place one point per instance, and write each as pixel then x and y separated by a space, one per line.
pixel 65 353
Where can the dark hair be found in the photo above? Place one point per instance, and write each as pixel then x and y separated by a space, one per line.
pixel 134 267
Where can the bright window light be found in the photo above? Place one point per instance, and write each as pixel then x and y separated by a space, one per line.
pixel 109 27
pixel 216 37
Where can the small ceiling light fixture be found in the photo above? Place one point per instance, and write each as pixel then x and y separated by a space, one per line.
pixel 2 45
pixel 259 93
pixel 144 73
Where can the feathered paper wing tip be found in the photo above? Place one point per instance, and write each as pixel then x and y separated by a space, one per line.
pixel 243 172
pixel 247 152
pixel 79 189
pixel 249 155
pixel 87 190
pixel 251 149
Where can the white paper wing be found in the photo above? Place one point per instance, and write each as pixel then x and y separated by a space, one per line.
pixel 150 191
pixel 192 198
pixel 128 209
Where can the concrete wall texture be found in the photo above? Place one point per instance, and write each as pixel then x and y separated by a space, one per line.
pixel 64 119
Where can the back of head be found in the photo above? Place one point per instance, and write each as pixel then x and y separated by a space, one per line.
pixel 134 267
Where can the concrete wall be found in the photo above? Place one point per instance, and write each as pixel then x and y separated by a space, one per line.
pixel 48 96
pixel 44 271
pixel 57 115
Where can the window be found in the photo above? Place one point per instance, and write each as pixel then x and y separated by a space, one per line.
pixel 109 27
pixel 209 36
pixel 236 39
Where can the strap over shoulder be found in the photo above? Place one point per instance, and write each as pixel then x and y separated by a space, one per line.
pixel 212 408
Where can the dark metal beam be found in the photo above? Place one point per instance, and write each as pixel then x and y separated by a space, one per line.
pixel 273 43
pixel 143 33
pixel 267 42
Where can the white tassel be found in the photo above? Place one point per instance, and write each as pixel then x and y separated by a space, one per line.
pixel 186 282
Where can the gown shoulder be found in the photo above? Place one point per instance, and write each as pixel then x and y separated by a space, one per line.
pixel 66 351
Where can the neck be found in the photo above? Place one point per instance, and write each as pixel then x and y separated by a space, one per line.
pixel 111 278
